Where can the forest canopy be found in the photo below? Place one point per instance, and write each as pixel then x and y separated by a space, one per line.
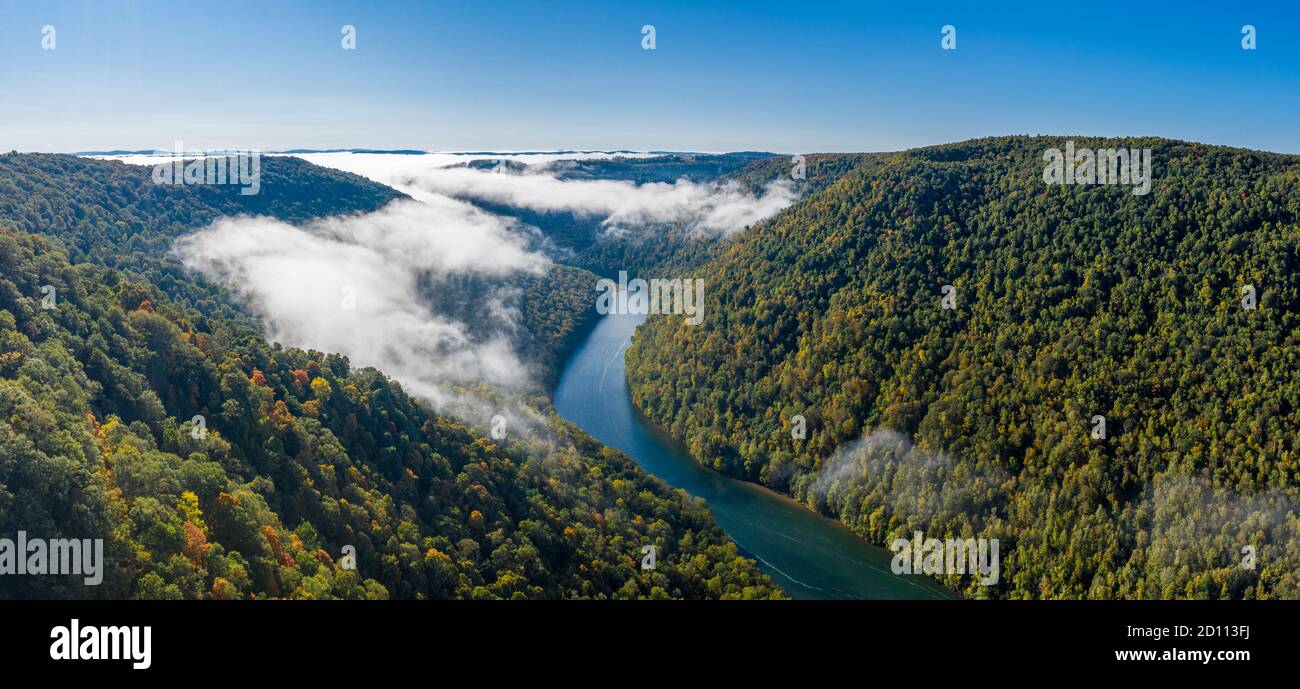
pixel 1070 303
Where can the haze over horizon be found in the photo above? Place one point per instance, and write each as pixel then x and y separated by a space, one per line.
pixel 467 77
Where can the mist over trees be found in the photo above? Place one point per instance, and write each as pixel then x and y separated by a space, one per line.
pixel 143 406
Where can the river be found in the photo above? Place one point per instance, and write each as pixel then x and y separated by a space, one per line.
pixel 808 555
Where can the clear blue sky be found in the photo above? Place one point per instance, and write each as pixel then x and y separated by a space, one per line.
pixel 497 74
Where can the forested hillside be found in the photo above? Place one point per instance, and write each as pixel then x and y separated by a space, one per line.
pixel 1071 302
pixel 819 170
pixel 113 214
pixel 140 406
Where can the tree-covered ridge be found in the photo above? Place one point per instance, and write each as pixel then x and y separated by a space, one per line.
pixel 113 214
pixel 818 171
pixel 557 311
pixel 302 456
pixel 96 205
pixel 1071 302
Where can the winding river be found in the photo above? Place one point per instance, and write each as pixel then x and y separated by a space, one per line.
pixel 808 555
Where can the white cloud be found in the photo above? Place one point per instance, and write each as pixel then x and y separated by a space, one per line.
pixel 714 208
pixel 717 208
pixel 390 264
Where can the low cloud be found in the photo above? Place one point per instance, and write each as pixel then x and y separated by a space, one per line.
pixel 419 290
pixel 914 484
pixel 715 208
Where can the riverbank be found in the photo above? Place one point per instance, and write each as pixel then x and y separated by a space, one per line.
pixel 807 554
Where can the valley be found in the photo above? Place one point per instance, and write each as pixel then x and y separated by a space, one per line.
pixel 877 302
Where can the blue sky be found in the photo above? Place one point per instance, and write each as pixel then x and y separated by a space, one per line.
pixel 498 74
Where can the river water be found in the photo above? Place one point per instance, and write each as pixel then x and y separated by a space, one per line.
pixel 808 555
